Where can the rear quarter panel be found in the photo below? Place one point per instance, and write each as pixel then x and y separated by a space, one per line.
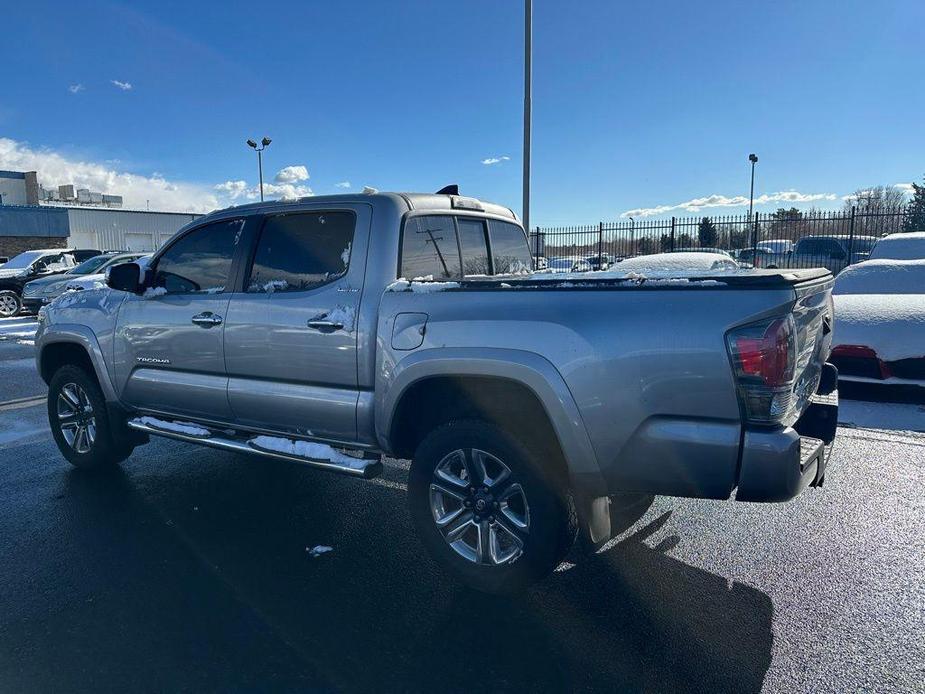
pixel 647 368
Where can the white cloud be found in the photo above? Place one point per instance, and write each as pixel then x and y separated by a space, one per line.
pixel 904 187
pixel 238 190
pixel 710 201
pixel 292 174
pixel 342 184
pixel 55 169
pixel 74 88
pixel 124 86
pixel 495 160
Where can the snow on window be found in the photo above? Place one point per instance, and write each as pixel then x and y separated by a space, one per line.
pixel 345 256
pixel 318 550
pixel 306 449
pixel 154 292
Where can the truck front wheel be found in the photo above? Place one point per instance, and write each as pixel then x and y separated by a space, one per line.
pixel 80 423
pixel 485 509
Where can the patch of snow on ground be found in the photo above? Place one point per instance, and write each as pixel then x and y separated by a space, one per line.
pixel 307 449
pixel 187 428
pixel 882 277
pixel 881 415
pixel 893 325
pixel 318 550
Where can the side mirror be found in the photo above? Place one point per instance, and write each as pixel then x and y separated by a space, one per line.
pixel 125 277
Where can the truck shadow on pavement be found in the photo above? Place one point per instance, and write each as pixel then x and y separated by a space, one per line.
pixel 203 567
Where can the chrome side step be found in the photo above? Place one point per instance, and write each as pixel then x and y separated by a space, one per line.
pixel 358 467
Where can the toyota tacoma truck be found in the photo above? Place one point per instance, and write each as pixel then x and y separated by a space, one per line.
pixel 334 330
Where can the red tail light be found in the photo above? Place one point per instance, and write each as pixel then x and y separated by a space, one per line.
pixel 764 351
pixel 763 358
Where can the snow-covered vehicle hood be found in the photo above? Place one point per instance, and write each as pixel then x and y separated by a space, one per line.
pixel 893 325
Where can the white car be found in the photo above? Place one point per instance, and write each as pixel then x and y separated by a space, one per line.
pixel 778 246
pixel 568 264
pixel 879 331
pixel 98 281
pixel 909 246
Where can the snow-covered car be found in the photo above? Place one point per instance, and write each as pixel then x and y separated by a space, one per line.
pixel 908 246
pixel 695 261
pixel 697 249
pixel 879 333
pixel 44 290
pixel 568 264
pixel 776 245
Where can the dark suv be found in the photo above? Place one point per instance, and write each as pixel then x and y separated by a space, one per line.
pixel 26 267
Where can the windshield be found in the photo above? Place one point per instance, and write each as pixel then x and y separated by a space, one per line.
pixel 88 267
pixel 22 261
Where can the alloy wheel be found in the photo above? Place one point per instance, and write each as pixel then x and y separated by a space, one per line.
pixel 76 418
pixel 479 508
pixel 9 306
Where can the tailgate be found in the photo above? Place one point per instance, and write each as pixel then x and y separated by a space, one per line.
pixel 812 315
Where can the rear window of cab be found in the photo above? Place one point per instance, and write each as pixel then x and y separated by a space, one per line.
pixel 450 247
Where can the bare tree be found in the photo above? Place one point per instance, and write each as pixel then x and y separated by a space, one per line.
pixel 876 199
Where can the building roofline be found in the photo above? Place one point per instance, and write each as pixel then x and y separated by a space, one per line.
pixel 56 206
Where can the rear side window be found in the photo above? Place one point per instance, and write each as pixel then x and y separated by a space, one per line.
pixel 509 248
pixel 473 246
pixel 201 260
pixel 429 248
pixel 302 251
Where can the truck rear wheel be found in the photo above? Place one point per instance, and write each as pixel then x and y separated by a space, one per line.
pixel 483 509
pixel 80 422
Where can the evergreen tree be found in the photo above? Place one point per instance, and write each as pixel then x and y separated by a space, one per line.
pixel 706 233
pixel 915 211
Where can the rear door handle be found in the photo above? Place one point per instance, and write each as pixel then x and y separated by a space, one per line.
pixel 325 325
pixel 207 319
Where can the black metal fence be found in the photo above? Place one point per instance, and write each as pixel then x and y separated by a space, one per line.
pixel 777 239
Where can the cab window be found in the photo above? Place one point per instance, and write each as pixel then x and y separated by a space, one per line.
pixel 509 249
pixel 429 248
pixel 199 261
pixel 297 252
pixel 473 246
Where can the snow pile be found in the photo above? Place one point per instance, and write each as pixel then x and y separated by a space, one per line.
pixel 187 428
pixel 306 449
pixel 893 325
pixel 900 247
pixel 318 550
pixel 345 256
pixel 421 286
pixel 345 315
pixel 154 292
pixel 882 277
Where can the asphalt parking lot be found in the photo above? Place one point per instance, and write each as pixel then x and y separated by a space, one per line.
pixel 187 569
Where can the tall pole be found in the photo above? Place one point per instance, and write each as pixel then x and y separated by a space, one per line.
pixel 528 106
pixel 753 158
pixel 260 169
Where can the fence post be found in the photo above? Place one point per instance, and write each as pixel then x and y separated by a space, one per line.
pixel 851 237
pixel 672 234
pixel 755 237
pixel 600 246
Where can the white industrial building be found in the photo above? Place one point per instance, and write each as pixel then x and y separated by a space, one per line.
pixel 124 230
pixel 32 216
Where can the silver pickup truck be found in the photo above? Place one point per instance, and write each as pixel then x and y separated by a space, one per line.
pixel 526 402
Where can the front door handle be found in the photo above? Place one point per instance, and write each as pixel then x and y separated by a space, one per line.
pixel 207 319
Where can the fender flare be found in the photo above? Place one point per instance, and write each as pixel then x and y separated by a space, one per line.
pixel 527 369
pixel 82 336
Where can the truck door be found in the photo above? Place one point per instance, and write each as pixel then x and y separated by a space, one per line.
pixel 291 333
pixel 168 346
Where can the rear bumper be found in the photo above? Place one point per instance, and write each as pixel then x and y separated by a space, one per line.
pixel 778 464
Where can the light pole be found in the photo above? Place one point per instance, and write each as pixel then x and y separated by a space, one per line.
pixel 753 158
pixel 265 142
pixel 528 106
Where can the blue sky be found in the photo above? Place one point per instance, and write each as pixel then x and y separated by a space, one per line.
pixel 637 105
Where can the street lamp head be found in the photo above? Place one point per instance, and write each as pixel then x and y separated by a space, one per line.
pixel 265 141
pixel 251 143
pixel 753 158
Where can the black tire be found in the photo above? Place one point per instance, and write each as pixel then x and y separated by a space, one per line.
pixel 106 448
pixel 10 304
pixel 551 519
